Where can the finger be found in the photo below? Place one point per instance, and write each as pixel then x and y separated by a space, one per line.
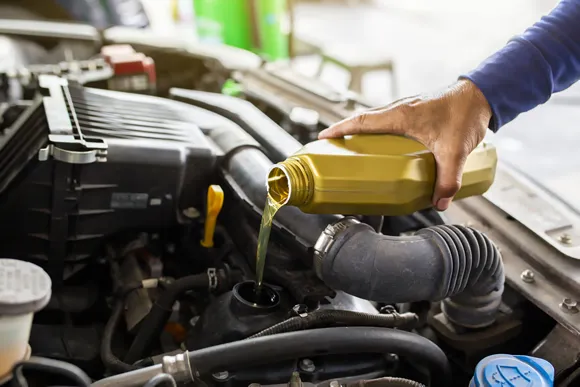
pixel 386 121
pixel 449 173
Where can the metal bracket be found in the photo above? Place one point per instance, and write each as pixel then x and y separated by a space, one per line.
pixel 67 142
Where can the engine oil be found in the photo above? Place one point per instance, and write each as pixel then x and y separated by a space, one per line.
pixel 370 175
pixel 273 204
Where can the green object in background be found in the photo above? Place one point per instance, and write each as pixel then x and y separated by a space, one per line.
pixel 208 20
pixel 236 23
pixel 232 88
pixel 224 21
pixel 271 18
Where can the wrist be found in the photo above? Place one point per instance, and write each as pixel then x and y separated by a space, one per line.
pixel 476 98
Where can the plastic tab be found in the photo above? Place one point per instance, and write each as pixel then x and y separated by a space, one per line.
pixel 513 371
pixel 215 201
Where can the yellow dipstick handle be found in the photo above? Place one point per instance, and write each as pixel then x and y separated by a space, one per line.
pixel 215 201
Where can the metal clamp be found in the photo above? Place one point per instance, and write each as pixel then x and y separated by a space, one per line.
pixel 179 367
pixel 326 240
pixel 213 278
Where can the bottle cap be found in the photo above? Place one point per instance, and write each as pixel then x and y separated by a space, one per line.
pixel 513 370
pixel 24 287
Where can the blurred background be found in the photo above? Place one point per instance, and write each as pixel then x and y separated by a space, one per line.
pixel 382 49
pixel 429 42
pixel 420 46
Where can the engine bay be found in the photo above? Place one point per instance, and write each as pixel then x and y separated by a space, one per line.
pixel 109 179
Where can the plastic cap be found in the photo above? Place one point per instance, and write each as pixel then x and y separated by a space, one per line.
pixel 24 287
pixel 513 371
pixel 215 201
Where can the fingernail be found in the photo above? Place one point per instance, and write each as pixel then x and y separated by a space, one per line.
pixel 443 204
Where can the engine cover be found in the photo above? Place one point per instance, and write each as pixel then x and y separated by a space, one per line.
pixel 80 164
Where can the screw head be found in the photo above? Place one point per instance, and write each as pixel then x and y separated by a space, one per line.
pixel 307 365
pixel 565 239
pixel 527 276
pixel 222 375
pixel 569 305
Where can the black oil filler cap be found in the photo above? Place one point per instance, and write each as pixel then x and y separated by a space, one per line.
pixel 24 287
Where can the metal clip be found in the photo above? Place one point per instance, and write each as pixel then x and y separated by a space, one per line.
pixel 213 278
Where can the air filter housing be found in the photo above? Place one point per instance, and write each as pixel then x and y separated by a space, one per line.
pixel 80 164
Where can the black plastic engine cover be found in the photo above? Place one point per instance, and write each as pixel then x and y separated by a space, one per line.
pixel 81 164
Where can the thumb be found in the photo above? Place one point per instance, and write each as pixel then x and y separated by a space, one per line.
pixel 449 173
pixel 386 121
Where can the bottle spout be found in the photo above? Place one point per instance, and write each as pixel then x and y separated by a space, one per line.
pixel 278 184
pixel 290 183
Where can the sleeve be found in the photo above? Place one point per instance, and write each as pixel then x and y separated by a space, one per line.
pixel 545 59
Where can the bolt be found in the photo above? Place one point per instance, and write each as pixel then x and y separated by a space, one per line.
pixel 565 239
pixel 300 309
pixel 223 375
pixel 527 276
pixel 569 305
pixel 307 365
pixel 191 213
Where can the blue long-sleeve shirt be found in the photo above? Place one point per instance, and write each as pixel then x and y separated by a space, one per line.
pixel 544 60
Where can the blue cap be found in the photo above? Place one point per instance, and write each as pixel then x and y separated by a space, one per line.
pixel 513 371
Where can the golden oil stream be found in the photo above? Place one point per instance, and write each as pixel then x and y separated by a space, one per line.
pixel 274 201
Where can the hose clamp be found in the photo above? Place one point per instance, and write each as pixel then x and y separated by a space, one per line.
pixel 213 278
pixel 326 240
pixel 179 367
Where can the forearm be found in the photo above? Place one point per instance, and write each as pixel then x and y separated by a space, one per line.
pixel 543 60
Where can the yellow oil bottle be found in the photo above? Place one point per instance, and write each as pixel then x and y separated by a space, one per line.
pixel 370 175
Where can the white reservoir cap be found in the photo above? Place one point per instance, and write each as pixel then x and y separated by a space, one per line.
pixel 24 287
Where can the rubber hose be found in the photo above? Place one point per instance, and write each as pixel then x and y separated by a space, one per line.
pixel 108 358
pixel 152 325
pixel 571 379
pixel 325 341
pixel 161 379
pixel 387 382
pixel 57 367
pixel 456 264
pixel 324 318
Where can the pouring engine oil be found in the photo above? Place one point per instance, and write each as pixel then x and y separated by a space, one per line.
pixel 274 201
pixel 363 175
pixel 371 175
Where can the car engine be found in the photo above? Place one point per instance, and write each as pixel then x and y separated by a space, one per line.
pixel 109 188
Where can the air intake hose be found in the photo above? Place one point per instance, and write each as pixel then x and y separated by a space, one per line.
pixel 456 264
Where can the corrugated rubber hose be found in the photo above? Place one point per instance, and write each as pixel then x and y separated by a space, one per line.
pixel 456 264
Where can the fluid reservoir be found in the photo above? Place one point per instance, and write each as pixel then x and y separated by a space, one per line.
pixel 370 175
pixel 24 289
pixel 513 370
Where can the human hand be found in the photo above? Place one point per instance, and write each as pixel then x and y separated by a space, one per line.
pixel 450 124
